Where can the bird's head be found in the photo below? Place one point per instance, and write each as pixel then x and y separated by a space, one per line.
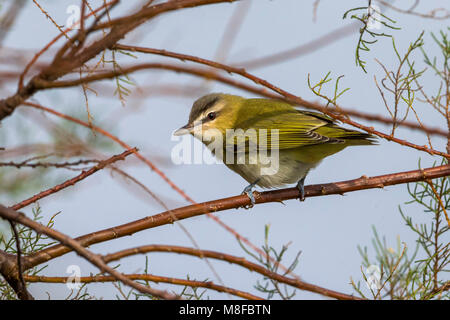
pixel 214 112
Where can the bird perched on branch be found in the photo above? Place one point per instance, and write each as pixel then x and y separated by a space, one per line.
pixel 270 143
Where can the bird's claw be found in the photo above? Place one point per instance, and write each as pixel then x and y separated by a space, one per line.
pixel 250 195
pixel 248 191
pixel 301 189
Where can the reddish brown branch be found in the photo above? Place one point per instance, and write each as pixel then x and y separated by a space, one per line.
pixel 441 289
pixel 52 42
pixel 12 215
pixel 17 283
pixel 66 165
pixel 441 204
pixel 74 180
pixel 147 13
pixel 297 283
pixel 149 277
pixel 164 218
pixel 303 49
pixel 388 121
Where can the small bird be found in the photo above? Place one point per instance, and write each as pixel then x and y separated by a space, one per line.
pixel 272 143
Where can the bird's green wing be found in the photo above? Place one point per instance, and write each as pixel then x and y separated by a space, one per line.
pixel 286 127
pixel 303 135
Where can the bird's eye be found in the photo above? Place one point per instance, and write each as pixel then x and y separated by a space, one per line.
pixel 211 115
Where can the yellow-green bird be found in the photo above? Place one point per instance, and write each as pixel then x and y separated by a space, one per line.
pixel 256 133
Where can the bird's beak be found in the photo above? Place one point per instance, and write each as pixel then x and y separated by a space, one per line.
pixel 184 130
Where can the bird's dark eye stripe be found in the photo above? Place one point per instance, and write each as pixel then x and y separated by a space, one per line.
pixel 211 103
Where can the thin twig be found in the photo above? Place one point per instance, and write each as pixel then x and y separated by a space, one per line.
pixel 74 180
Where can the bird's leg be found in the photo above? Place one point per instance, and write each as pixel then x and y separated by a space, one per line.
pixel 301 188
pixel 248 191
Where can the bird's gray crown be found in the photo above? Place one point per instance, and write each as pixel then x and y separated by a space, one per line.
pixel 202 104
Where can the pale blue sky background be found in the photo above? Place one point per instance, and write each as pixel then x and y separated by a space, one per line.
pixel 326 229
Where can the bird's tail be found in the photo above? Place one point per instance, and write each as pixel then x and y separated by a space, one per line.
pixel 364 139
pixel 351 137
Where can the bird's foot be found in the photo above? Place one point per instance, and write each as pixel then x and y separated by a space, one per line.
pixel 301 188
pixel 248 191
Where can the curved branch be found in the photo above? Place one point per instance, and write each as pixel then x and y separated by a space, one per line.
pixel 71 182
pixel 303 49
pixel 149 277
pixel 433 14
pixel 194 210
pixel 297 283
pixel 74 245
